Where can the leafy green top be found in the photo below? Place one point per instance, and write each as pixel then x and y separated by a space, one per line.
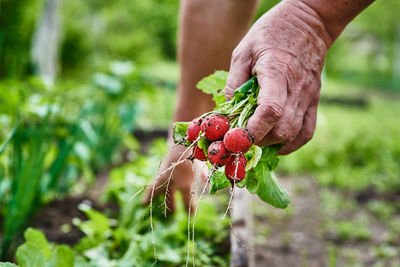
pixel 261 161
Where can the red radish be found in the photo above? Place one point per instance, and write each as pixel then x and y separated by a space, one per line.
pixel 193 130
pixel 215 126
pixel 217 154
pixel 199 154
pixel 238 140
pixel 235 169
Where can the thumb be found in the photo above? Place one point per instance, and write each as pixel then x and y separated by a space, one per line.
pixel 239 71
pixel 271 102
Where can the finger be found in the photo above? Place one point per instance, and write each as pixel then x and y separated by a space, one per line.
pixel 239 71
pixel 306 132
pixel 271 102
pixel 289 126
pixel 284 128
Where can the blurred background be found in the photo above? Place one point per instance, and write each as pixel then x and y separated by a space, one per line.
pixel 79 137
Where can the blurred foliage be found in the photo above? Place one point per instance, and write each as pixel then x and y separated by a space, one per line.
pixel 52 136
pixel 368 51
pixel 17 20
pixel 99 31
pixel 125 240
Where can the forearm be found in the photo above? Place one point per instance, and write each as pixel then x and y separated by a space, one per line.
pixel 209 30
pixel 334 15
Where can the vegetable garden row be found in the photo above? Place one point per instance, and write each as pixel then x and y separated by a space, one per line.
pixel 56 141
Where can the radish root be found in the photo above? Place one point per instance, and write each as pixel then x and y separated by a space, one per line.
pixel 170 176
pixel 195 213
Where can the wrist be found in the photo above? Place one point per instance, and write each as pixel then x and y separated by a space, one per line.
pixel 334 15
pixel 309 20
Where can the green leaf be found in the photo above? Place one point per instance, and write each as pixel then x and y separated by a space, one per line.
pixel 271 192
pixel 30 255
pixel 244 89
pixel 219 99
pixel 110 84
pixel 203 144
pixel 218 181
pixel 64 256
pixel 39 239
pixel 179 133
pixel 251 181
pixel 262 181
pixel 98 225
pixel 269 156
pixel 214 84
pixel 8 139
pixel 256 153
pixel 7 264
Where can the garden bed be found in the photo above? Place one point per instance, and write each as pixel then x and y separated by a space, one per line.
pixel 322 227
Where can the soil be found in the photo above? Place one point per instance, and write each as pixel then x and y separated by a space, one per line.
pixel 298 236
pixel 55 219
pixel 295 235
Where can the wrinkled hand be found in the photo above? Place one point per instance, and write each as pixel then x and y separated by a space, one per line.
pixel 181 179
pixel 285 48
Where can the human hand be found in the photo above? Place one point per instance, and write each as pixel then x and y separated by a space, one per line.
pixel 181 179
pixel 285 48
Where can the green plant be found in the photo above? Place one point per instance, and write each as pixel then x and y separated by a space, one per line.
pixel 57 135
pixel 382 209
pixel 123 239
pixel 346 230
pixel 36 251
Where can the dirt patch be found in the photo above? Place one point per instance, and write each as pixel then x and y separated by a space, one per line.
pixel 55 219
pixel 290 237
pixel 301 236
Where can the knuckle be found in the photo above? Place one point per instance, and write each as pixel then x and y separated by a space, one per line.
pixel 235 54
pixel 284 68
pixel 238 55
pixel 279 62
pixel 272 112
pixel 281 134
pixel 296 130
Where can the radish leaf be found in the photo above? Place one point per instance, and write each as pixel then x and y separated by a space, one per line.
pixel 203 143
pixel 218 181
pixel 271 192
pixel 262 181
pixel 255 157
pixel 179 133
pixel 214 84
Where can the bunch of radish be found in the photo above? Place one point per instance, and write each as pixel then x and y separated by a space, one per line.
pixel 226 146
pixel 220 138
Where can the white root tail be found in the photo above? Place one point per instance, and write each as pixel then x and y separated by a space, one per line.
pixel 170 176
